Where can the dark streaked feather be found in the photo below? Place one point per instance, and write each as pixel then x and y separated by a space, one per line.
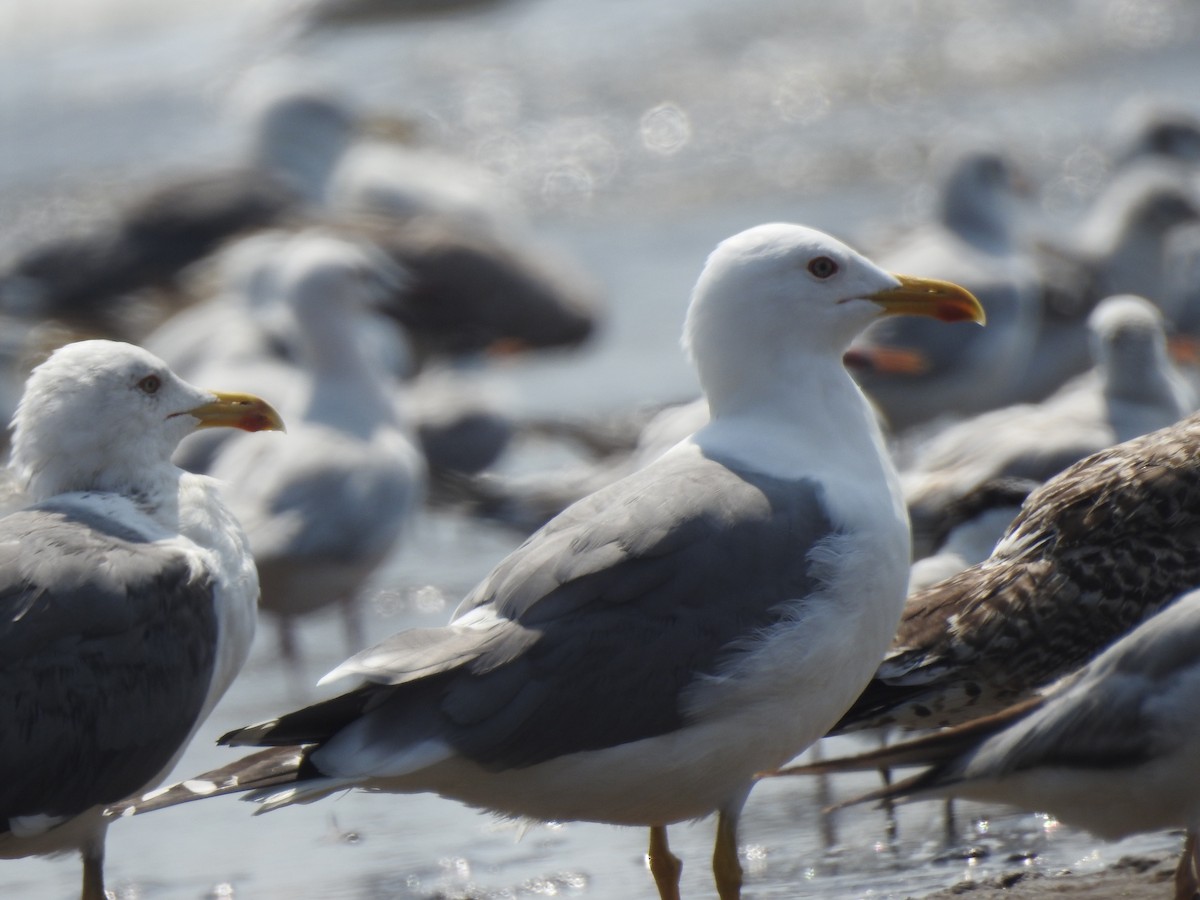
pixel 1095 551
pixel 929 749
pixel 268 768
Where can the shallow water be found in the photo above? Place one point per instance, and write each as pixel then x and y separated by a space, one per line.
pixel 638 135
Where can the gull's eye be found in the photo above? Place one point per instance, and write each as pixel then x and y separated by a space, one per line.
pixel 150 384
pixel 822 267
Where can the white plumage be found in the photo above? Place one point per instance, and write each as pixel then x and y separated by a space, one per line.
pixel 649 650
pixel 127 593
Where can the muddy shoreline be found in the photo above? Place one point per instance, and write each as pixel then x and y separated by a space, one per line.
pixel 1130 878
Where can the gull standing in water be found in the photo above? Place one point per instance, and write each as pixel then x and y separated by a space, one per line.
pixel 325 506
pixel 127 593
pixel 641 657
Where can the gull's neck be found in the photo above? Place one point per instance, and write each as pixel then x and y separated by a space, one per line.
pixel 133 476
pixel 811 403
pixel 345 390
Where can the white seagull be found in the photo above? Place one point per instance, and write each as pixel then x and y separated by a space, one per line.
pixel 1112 749
pixel 640 658
pixel 324 505
pixel 127 593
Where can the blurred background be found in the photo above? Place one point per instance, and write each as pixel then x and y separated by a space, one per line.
pixel 624 139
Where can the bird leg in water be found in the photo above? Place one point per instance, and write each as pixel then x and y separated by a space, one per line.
pixel 727 868
pixel 93 873
pixel 949 823
pixel 665 866
pixel 825 802
pixel 891 825
pixel 1186 881
pixel 352 622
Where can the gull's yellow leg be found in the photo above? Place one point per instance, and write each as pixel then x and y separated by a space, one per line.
pixel 664 865
pixel 727 868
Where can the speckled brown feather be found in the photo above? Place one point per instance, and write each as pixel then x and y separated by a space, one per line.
pixel 1094 552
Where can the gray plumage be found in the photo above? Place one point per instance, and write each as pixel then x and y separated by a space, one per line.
pixel 975 241
pixel 640 658
pixel 77 641
pixel 582 602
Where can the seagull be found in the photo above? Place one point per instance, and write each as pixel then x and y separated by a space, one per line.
pixel 116 275
pixel 477 274
pixel 1144 130
pixel 1118 248
pixel 127 593
pixel 914 372
pixel 470 288
pixel 637 660
pixel 326 505
pixel 1111 748
pixel 1096 550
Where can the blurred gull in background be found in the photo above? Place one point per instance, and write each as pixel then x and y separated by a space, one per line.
pixel 1132 389
pixel 472 287
pixel 915 373
pixel 324 507
pixel 1118 248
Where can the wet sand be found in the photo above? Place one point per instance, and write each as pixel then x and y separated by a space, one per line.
pixel 1130 878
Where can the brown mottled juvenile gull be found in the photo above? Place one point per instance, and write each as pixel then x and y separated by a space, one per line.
pixel 1112 748
pixel 127 593
pixel 1095 551
pixel 642 656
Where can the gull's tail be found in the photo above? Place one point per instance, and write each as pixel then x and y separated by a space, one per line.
pixel 937 751
pixel 265 771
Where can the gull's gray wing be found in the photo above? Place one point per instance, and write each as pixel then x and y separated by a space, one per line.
pixel 106 652
pixel 590 634
pixel 329 496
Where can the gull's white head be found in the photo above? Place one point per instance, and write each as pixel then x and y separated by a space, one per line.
pixel 777 293
pixel 106 416
pixel 1129 345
